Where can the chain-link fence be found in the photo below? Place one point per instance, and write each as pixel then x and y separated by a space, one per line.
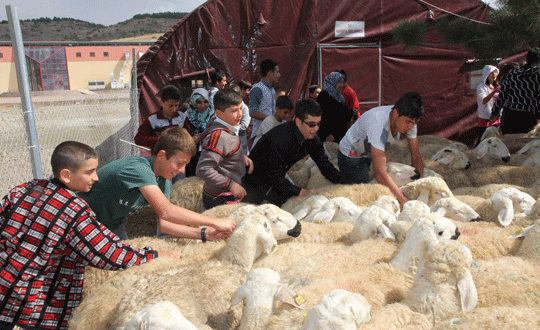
pixel 99 120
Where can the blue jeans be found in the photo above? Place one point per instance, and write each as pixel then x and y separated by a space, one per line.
pixel 354 170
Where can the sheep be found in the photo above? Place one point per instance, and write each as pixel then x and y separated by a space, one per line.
pixel 373 221
pixel 532 161
pixel 400 173
pixel 491 131
pixel 427 190
pixel 300 174
pixel 453 157
pixel 494 148
pixel 515 142
pixel 412 211
pixel 187 193
pixel 161 315
pixel 309 207
pixel 510 201
pixel 338 209
pixel 250 239
pixel 459 146
pixel 500 317
pixel 338 309
pixel 262 288
pixel 529 246
pixel 423 235
pixel 530 148
pixel 487 240
pixel 388 203
pixel 455 209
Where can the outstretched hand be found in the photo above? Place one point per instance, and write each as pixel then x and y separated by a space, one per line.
pixel 170 254
pixel 226 225
pixel 215 235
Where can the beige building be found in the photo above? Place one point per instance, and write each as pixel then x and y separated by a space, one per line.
pixel 72 65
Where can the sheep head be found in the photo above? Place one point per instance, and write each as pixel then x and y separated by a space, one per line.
pixel 454 157
pixel 372 222
pixel 309 207
pixel 161 315
pixel 284 224
pixel 428 190
pixel 493 147
pixel 531 147
pixel 455 209
pixel 510 201
pixel 338 209
pixel 402 173
pixel 389 203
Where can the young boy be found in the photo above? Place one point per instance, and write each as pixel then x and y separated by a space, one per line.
pixel 221 165
pixel 284 106
pixel 47 237
pixel 169 115
pixel 128 184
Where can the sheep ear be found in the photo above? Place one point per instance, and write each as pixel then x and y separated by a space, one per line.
pixel 421 269
pixel 467 292
pixel 238 296
pixel 286 295
pixel 482 149
pixel 302 213
pixel 324 216
pixel 423 196
pixel 384 232
pixel 440 211
pixel 524 149
pixel 447 159
pixel 506 213
pixel 268 242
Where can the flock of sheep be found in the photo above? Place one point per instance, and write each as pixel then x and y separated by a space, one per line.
pixel 461 254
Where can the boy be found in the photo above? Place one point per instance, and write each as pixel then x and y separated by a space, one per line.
pixel 221 165
pixel 284 106
pixel 168 115
pixel 368 137
pixel 128 184
pixel 47 237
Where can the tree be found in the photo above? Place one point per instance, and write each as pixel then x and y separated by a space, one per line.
pixel 513 27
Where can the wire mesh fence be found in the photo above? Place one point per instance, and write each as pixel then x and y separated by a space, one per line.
pixel 99 120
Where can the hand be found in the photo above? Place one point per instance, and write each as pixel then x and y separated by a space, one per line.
pixel 305 193
pixel 249 164
pixel 237 190
pixel 497 89
pixel 225 225
pixel 215 235
pixel 493 118
pixel 330 138
pixel 196 137
pixel 171 254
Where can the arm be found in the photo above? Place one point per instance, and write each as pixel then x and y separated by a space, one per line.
pixel 499 102
pixel 323 163
pixel 382 176
pixel 146 136
pixel 182 231
pixel 490 95
pixel 167 211
pixel 255 98
pixel 416 158
pixel 246 119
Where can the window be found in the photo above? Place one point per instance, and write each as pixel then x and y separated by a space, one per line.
pixel 1 55
pixel 92 54
pixel 105 54
pixel 78 54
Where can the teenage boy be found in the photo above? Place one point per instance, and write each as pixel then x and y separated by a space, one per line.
pixel 47 237
pixel 369 136
pixel 284 106
pixel 222 164
pixel 281 148
pixel 169 115
pixel 128 184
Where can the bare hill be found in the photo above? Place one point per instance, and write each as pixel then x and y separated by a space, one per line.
pixel 69 29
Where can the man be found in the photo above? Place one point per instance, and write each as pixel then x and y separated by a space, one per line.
pixel 368 137
pixel 262 97
pixel 219 81
pixel 282 147
pixel 520 97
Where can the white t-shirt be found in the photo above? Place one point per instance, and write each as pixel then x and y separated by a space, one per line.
pixel 372 129
pixel 267 124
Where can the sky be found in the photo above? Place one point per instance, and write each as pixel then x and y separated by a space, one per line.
pixel 106 12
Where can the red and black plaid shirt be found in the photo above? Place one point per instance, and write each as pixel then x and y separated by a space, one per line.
pixel 47 237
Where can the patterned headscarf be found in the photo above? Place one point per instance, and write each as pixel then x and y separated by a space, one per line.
pixel 199 120
pixel 330 83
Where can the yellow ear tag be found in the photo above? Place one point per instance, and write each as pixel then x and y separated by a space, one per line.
pixel 520 231
pixel 304 318
pixel 299 299
pixel 318 222
pixel 275 245
pixel 231 297
pixel 388 240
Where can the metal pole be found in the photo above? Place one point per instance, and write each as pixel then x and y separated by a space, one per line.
pixel 24 90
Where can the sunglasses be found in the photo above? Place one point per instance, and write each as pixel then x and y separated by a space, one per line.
pixel 312 124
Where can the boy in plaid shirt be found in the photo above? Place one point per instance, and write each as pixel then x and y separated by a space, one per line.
pixel 47 237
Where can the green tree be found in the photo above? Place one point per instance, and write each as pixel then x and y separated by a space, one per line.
pixel 513 27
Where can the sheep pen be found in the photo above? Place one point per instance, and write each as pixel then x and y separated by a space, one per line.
pixel 323 258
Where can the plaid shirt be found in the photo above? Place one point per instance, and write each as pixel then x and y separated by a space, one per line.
pixel 47 237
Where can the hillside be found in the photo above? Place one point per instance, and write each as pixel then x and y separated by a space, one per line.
pixel 69 29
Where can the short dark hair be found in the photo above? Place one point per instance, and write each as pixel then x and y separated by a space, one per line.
pixel 508 67
pixel 267 66
pixel 173 140
pixel 343 73
pixel 533 55
pixel 216 76
pixel 244 84
pixel 284 102
pixel 70 155
pixel 305 107
pixel 170 92
pixel 225 98
pixel 410 105
pixel 312 88
pixel 235 87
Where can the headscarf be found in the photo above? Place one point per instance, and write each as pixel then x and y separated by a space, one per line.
pixel 330 83
pixel 199 120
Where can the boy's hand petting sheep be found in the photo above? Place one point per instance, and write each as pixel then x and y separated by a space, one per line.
pixel 215 235
pixel 225 225
pixel 306 192
pixel 170 254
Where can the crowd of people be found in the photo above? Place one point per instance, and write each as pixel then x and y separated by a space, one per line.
pixel 239 141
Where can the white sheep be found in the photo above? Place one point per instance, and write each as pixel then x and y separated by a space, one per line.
pixel 491 131
pixel 309 207
pixel 388 203
pixel 423 236
pixel 428 190
pixel 338 209
pixel 530 147
pixel 412 211
pixel 509 202
pixel 453 157
pixel 455 209
pixel 532 161
pixel 459 146
pixel 494 148
pixel 163 315
pixel 373 222
pixel 338 309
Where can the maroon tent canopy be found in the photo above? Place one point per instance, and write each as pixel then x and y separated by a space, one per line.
pixel 303 37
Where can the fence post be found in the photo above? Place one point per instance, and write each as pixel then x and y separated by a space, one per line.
pixel 24 90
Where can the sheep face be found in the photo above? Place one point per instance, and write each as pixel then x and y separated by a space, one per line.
pixel 413 210
pixel 338 209
pixel 402 173
pixel 531 147
pixel 372 222
pixel 309 207
pixel 492 147
pixel 449 156
pixel 428 190
pixel 338 309
pixel 388 203
pixel 510 201
pixel 284 224
pixel 161 315
pixel 455 209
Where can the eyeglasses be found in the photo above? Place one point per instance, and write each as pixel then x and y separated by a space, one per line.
pixel 312 124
